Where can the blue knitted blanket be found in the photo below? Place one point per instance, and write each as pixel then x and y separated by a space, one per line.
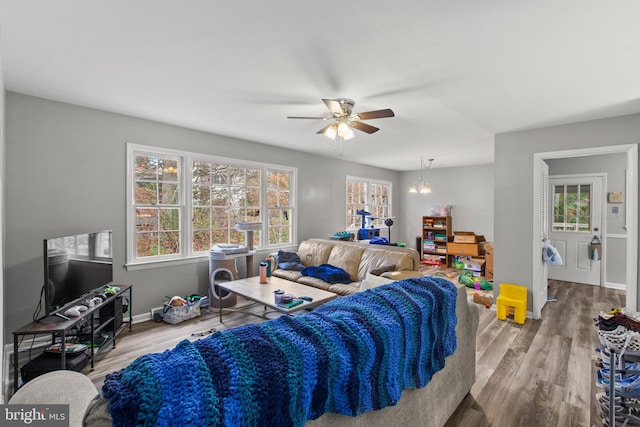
pixel 354 354
pixel 327 272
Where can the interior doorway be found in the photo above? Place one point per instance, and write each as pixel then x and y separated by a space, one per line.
pixel 631 215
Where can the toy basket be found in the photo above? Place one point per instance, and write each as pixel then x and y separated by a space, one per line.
pixel 176 314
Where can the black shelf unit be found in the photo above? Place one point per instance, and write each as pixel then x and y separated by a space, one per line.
pixel 107 318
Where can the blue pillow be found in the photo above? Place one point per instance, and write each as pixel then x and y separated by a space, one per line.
pixel 289 261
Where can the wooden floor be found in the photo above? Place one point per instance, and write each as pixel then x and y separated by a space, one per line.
pixel 538 374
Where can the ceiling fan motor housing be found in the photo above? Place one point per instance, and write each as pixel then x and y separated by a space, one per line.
pixel 346 105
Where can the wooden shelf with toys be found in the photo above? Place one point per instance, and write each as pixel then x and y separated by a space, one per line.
pixel 436 232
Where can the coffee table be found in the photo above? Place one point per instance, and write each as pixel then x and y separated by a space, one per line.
pixel 251 289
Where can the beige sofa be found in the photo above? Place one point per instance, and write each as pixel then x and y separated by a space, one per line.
pixel 430 406
pixel 355 258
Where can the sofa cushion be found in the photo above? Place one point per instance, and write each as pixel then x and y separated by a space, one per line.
pixel 383 269
pixel 287 274
pixel 373 258
pixel 312 281
pixel 344 289
pixel 372 281
pixel 315 251
pixel 346 257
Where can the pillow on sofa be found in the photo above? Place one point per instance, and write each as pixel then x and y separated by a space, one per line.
pixel 383 269
pixel 289 261
pixel 371 281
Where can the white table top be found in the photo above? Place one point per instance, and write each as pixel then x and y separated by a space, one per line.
pixel 252 289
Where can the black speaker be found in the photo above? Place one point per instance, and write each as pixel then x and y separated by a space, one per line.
pixel 219 297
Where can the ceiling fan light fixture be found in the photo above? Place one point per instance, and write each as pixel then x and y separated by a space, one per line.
pixel 349 135
pixel 331 132
pixel 344 129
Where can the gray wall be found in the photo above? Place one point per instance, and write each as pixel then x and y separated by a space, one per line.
pixel 2 194
pixel 514 184
pixel 468 189
pixel 614 165
pixel 65 175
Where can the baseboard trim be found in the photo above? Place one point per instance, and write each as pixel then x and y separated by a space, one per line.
pixel 619 286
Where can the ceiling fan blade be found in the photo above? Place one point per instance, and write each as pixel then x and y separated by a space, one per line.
pixel 305 117
pixel 333 106
pixel 377 114
pixel 324 129
pixel 364 127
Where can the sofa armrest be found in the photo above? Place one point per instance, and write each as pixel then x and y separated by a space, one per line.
pixel 401 275
pixel 59 387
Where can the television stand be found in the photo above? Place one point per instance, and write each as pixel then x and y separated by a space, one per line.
pixel 106 318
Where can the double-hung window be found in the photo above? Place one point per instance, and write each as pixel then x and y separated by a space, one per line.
pixel 373 196
pixel 180 204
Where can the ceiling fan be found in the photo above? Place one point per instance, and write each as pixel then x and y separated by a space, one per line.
pixel 345 120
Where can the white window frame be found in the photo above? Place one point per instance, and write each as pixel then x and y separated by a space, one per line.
pixel 378 223
pixel 186 160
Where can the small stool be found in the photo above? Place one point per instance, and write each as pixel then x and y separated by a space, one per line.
pixel 512 296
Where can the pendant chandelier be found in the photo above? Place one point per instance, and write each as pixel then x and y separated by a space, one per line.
pixel 424 188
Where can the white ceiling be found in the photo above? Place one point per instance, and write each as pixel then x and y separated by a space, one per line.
pixel 455 72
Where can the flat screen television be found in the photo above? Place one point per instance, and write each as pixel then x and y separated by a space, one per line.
pixel 74 266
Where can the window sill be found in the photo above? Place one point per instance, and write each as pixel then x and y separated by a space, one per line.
pixel 144 265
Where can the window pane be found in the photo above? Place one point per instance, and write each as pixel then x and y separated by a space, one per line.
pixel 254 177
pixel 238 196
pixel 219 218
pixel 584 210
pixel 168 194
pixel 219 175
pixel 201 195
pixel 146 244
pixel 219 236
pixel 572 208
pixel 170 219
pixel 283 198
pixel 200 241
pixel 237 175
pixel 220 196
pixel 201 173
pixel 169 243
pixel 558 208
pixel 253 197
pixel 103 245
pixel 201 218
pixel 146 193
pixel 82 244
pixel 146 219
pixel 146 168
pixel 168 170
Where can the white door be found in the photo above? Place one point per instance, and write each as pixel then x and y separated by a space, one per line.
pixel 576 212
pixel 544 233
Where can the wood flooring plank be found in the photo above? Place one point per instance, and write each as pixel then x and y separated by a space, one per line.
pixel 546 405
